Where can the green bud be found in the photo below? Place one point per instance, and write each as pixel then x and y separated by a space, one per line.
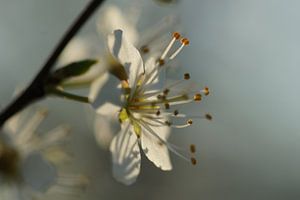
pixel 71 70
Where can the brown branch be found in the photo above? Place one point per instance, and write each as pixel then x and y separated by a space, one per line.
pixel 35 90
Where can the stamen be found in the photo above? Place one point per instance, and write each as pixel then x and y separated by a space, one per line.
pixel 145 49
pixel 166 91
pixel 70 185
pixel 192 148
pixel 161 97
pixel 175 37
pixel 181 126
pixel 161 62
pixel 170 146
pixel 158 113
pixel 176 112
pixel 184 42
pixel 188 123
pixel 54 137
pixel 197 97
pixel 29 130
pixel 206 91
pixel 193 161
pixel 167 106
pixel 168 123
pixel 187 76
pixel 208 116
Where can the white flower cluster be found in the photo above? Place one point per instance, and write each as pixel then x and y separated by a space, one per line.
pixel 30 161
pixel 137 116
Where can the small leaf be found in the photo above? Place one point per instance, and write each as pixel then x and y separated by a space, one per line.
pixel 72 70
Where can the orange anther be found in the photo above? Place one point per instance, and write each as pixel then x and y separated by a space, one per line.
pixel 176 35
pixel 185 41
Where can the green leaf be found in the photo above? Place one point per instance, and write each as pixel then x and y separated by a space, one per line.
pixel 72 70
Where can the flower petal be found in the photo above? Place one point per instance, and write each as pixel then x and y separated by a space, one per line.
pixel 106 90
pixel 125 155
pixel 38 173
pixel 111 18
pixel 126 54
pixel 9 191
pixel 96 86
pixel 108 110
pixel 154 148
pixel 105 129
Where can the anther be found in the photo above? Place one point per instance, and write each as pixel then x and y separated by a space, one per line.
pixel 161 62
pixel 185 41
pixel 161 97
pixel 160 143
pixel 187 76
pixel 176 112
pixel 168 123
pixel 176 35
pixel 145 49
pixel 158 113
pixel 167 106
pixel 190 122
pixel 192 148
pixel 208 117
pixel 166 91
pixel 206 91
pixel 197 97
pixel 193 161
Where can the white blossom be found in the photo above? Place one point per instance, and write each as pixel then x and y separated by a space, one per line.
pixel 31 161
pixel 148 42
pixel 144 108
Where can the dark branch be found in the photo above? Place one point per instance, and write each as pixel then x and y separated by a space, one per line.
pixel 35 90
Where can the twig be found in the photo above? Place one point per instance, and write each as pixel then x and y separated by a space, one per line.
pixel 36 90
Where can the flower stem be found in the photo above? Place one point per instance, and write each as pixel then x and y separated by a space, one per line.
pixel 70 96
pixel 36 90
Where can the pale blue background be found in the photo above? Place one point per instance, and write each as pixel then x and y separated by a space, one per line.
pixel 247 52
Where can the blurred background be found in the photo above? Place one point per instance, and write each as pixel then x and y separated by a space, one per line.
pixel 245 51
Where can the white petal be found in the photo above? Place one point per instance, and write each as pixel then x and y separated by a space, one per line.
pixel 125 155
pixel 78 49
pixel 96 86
pixel 9 192
pixel 155 149
pixel 13 124
pixel 28 131
pixel 38 173
pixel 109 110
pixel 126 54
pixel 105 129
pixel 109 92
pixel 111 18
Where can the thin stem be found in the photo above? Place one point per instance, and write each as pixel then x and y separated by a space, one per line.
pixel 70 96
pixel 36 90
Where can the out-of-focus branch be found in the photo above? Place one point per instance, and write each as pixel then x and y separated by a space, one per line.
pixel 36 90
